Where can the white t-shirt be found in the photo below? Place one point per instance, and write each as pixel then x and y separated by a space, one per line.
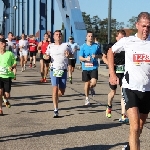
pixel 24 43
pixel 57 53
pixel 73 47
pixel 137 62
pixel 10 45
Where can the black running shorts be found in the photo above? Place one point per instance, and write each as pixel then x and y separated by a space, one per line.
pixel 5 84
pixel 88 75
pixel 120 76
pixel 72 62
pixel 134 98
pixel 45 61
pixel 33 54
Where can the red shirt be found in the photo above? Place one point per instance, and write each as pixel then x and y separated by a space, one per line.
pixel 44 47
pixel 33 48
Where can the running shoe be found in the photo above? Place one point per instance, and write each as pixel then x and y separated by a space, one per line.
pixel 34 66
pixel 70 80
pixel 30 66
pixel 7 104
pixel 1 113
pixel 126 147
pixel 124 119
pixel 55 114
pixel 15 77
pixel 44 80
pixel 87 102
pixel 108 112
pixel 92 92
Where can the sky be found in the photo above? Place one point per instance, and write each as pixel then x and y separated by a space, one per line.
pixel 122 10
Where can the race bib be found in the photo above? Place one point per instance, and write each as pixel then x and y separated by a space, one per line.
pixel 3 70
pixel 58 73
pixel 120 68
pixel 88 64
pixel 141 58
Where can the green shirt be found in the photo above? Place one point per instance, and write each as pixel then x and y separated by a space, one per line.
pixel 7 60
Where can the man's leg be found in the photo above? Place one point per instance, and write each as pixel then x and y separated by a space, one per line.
pixel 1 94
pixel 31 59
pixel 70 73
pixel 42 69
pixel 124 118
pixel 25 60
pixel 70 70
pixel 34 60
pixel 134 119
pixel 21 62
pixel 55 89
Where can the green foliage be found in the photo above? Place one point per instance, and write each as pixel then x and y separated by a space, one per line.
pixel 100 27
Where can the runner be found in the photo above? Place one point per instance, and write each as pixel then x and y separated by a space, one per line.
pixel 14 51
pixel 23 51
pixel 33 50
pixel 7 64
pixel 10 42
pixel 136 82
pixel 42 46
pixel 119 61
pixel 88 55
pixel 72 61
pixel 59 53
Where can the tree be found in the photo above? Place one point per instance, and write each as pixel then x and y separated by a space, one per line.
pixel 131 24
pixel 100 27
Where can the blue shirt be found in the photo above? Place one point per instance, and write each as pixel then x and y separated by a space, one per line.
pixel 89 50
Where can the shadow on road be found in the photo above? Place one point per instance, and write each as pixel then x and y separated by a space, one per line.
pixel 94 127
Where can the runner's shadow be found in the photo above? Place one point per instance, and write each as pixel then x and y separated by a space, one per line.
pixel 74 129
pixel 96 147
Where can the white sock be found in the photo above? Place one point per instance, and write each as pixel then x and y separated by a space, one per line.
pixel 56 109
pixel 87 98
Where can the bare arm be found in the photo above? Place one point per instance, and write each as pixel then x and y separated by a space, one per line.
pixel 104 58
pixel 110 58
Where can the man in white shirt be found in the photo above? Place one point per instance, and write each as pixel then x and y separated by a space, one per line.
pixel 10 43
pixel 23 46
pixel 59 53
pixel 136 82
pixel 72 61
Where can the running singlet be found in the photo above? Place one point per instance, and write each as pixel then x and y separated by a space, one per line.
pixel 7 60
pixel 137 62
pixel 32 48
pixel 44 47
pixel 119 59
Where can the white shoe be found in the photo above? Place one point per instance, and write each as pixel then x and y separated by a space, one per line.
pixel 22 70
pixel 87 102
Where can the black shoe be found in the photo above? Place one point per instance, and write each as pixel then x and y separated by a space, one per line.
pixel 55 114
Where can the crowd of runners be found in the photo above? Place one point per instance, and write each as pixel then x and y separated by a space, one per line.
pixel 129 67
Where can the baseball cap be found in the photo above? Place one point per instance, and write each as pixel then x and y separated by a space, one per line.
pixel 3 40
pixel 71 37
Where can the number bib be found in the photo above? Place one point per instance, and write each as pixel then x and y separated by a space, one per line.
pixel 120 68
pixel 58 73
pixel 88 64
pixel 3 70
pixel 139 59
